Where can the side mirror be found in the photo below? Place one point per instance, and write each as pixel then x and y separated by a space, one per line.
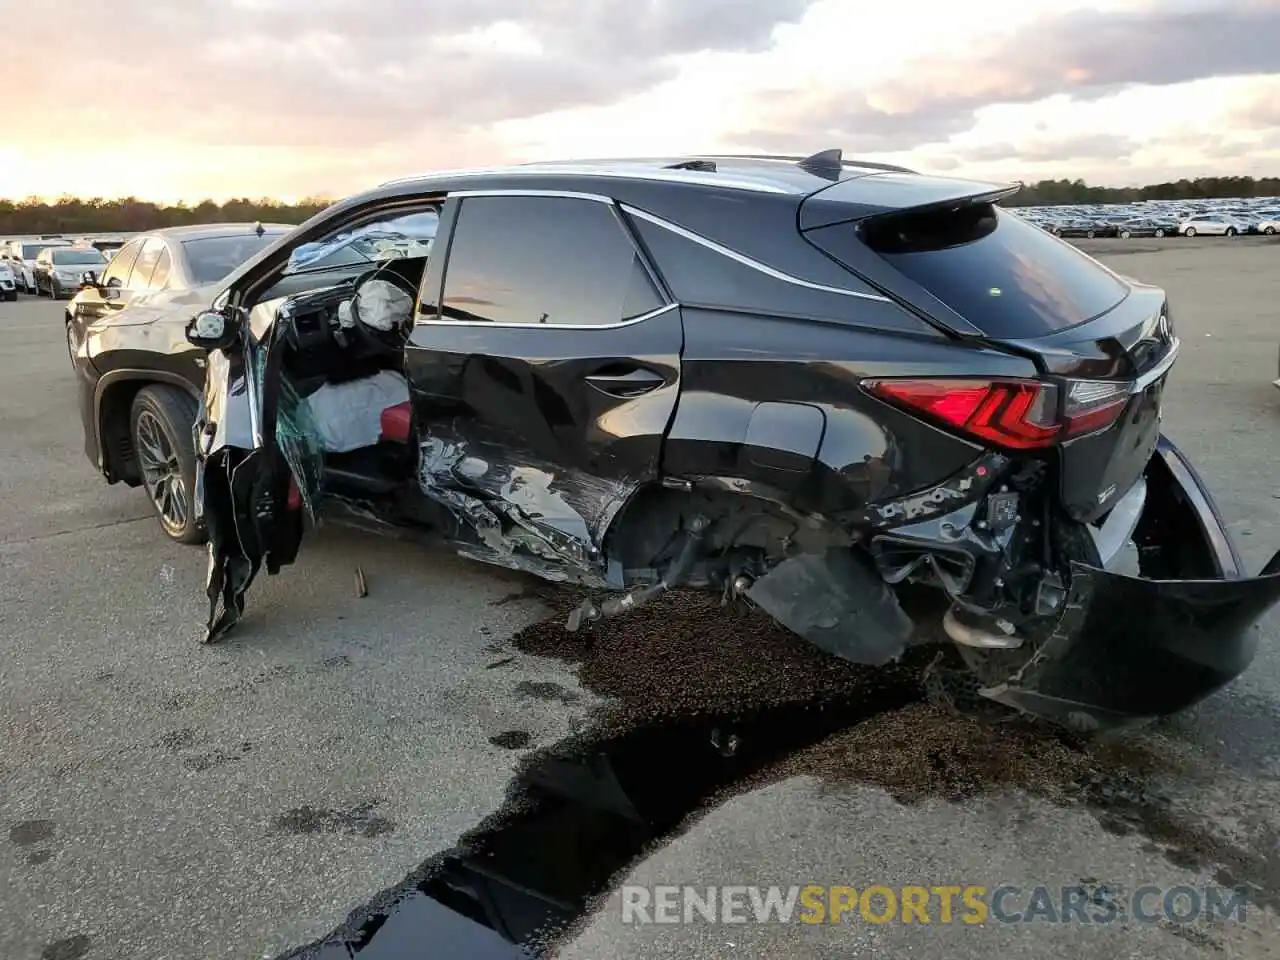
pixel 88 279
pixel 213 329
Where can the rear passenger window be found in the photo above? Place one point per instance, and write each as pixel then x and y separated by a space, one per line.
pixel 160 275
pixel 544 260
pixel 122 263
pixel 140 279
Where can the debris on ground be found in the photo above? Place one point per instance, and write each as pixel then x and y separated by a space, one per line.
pixel 362 587
pixel 683 656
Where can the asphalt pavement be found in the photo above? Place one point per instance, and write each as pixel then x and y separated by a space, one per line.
pixel 164 799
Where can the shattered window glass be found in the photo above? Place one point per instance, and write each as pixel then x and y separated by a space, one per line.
pixel 410 235
pixel 297 436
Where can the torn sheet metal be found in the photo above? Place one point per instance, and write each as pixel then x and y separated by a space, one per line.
pixel 528 516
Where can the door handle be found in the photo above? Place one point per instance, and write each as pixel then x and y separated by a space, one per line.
pixel 632 383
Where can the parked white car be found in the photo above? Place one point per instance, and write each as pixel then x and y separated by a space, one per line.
pixel 1269 224
pixel 23 255
pixel 1211 225
pixel 8 282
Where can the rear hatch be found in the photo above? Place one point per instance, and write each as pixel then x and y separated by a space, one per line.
pixel 948 252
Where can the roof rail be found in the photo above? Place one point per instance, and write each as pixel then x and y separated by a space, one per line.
pixel 793 158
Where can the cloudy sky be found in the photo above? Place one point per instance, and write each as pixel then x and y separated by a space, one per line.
pixel 183 99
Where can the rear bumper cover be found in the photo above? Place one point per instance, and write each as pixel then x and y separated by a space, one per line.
pixel 1128 649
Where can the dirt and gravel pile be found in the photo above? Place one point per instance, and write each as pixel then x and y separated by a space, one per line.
pixel 685 656
pixel 926 750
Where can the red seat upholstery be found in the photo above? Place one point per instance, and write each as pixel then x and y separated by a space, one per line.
pixel 395 423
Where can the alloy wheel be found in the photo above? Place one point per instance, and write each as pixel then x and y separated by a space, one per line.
pixel 161 471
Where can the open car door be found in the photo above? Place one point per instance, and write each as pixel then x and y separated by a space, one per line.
pixel 248 461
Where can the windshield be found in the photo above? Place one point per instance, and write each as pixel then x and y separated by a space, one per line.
pixel 212 258
pixel 407 236
pixel 85 258
pixel 32 250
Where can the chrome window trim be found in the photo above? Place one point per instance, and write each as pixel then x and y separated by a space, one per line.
pixel 679 231
pixel 747 261
pixel 505 325
pixel 532 192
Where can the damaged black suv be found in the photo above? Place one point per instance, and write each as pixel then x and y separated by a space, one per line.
pixel 872 403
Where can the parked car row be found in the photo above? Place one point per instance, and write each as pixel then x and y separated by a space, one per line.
pixel 1216 218
pixel 52 264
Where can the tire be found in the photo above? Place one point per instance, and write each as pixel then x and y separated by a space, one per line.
pixel 55 289
pixel 1125 234
pixel 71 350
pixel 1089 234
pixel 12 295
pixel 1159 231
pixel 160 423
pixel 1191 232
pixel 1268 230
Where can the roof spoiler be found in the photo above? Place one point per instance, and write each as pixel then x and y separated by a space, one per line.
pixel 865 198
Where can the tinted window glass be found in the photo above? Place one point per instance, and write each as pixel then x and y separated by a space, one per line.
pixel 32 250
pixel 122 263
pixel 145 265
pixel 212 258
pixel 543 260
pixel 160 275
pixel 78 258
pixel 1003 275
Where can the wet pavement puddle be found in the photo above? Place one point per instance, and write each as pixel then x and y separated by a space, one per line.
pixel 698 712
pixel 578 813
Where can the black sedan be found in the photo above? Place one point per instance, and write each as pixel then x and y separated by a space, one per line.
pixel 139 379
pixel 1083 228
pixel 804 382
pixel 1146 227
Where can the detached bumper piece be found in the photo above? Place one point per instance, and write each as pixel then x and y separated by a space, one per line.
pixel 1126 649
pixel 1130 650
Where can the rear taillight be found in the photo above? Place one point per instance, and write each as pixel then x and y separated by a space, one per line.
pixel 1016 414
pixel 1093 405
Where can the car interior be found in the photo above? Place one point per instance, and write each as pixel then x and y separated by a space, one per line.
pixel 343 316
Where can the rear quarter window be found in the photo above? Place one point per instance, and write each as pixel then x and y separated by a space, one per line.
pixel 1006 276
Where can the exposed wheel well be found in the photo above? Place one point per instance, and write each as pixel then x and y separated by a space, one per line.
pixel 645 536
pixel 115 435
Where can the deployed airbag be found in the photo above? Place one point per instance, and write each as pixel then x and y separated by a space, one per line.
pixel 348 415
pixel 381 305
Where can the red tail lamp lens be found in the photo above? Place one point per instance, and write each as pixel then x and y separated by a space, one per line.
pixel 1018 414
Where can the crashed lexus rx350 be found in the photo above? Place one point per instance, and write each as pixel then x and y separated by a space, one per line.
pixel 829 387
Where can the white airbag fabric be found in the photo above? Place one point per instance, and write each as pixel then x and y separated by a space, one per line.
pixel 381 305
pixel 349 415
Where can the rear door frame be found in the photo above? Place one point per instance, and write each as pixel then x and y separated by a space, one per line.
pixel 578 554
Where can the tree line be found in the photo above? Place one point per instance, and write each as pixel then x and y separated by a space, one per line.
pixel 1201 188
pixel 130 215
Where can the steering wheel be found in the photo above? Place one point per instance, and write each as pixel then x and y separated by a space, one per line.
pixel 392 340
